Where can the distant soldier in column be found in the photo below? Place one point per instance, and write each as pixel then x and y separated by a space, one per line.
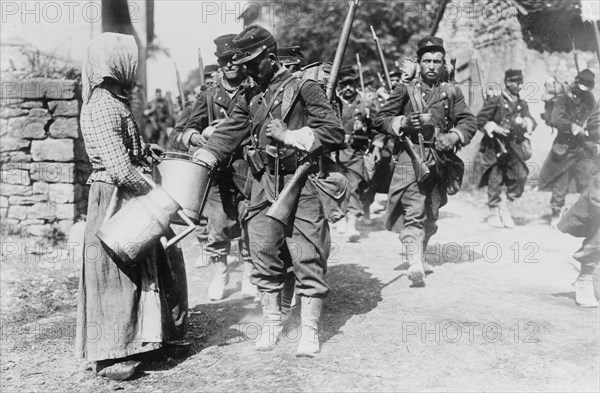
pixel 292 58
pixel 569 158
pixel 356 118
pixel 505 147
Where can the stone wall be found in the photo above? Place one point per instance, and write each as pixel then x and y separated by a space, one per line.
pixel 44 166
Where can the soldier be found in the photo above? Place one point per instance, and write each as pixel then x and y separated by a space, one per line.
pixel 569 158
pixel 160 116
pixel 211 74
pixel 447 124
pixel 583 220
pixel 291 58
pixel 356 118
pixel 505 147
pixel 225 201
pixel 291 125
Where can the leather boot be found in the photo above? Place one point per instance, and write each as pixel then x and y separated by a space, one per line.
pixel 352 233
pixel 584 288
pixel 493 219
pixel 309 334
pixel 216 289
pixel 505 216
pixel 272 326
pixel 287 297
pixel 248 289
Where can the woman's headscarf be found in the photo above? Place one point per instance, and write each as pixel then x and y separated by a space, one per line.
pixel 109 55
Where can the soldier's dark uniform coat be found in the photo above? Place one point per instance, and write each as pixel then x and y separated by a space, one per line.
pixel 307 240
pixel 511 168
pixel 568 152
pixel 419 204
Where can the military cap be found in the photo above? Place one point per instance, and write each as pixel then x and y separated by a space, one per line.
pixel 251 43
pixel 209 69
pixel 291 55
pixel 347 74
pixel 225 45
pixel 585 80
pixel 513 75
pixel 430 44
pixel 395 71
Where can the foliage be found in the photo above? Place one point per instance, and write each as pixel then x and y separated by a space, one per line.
pixel 316 25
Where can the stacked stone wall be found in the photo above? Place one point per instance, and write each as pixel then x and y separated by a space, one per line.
pixel 43 164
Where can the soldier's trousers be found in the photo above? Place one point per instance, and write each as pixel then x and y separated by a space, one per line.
pixel 224 208
pixel 420 204
pixel 511 172
pixel 360 192
pixel 305 244
pixel 581 170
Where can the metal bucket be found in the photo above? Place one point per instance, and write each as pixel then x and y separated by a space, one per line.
pixel 136 227
pixel 187 180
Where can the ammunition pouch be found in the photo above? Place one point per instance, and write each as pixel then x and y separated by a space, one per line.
pixel 288 159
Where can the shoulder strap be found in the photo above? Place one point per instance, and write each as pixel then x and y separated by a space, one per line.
pixel 264 111
pixel 415 98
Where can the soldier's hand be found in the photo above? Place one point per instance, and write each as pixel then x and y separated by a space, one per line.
pixel 347 138
pixel 197 140
pixel 376 154
pixel 576 129
pixel 276 130
pixel 415 121
pixel 358 125
pixel 446 141
pixel 400 124
pixel 502 131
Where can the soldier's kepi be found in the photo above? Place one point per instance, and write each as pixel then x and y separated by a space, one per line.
pixel 434 115
pixel 304 125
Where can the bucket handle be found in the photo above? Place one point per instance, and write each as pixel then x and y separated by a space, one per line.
pixel 190 225
pixel 190 228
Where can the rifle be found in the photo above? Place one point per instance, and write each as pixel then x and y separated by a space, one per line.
pixel 452 76
pixel 575 55
pixel 419 166
pixel 384 67
pixel 201 68
pixel 362 86
pixel 285 204
pixel 181 94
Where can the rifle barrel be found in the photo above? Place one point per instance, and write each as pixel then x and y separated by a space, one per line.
pixel 341 50
pixel 384 67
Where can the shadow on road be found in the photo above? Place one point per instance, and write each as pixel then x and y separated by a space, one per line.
pixel 354 292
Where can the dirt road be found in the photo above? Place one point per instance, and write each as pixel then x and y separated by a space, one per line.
pixel 497 314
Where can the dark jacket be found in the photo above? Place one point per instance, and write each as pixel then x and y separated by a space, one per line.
pixel 310 109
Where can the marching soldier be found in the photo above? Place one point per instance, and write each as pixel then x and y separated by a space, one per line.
pixel 505 147
pixel 356 118
pixel 583 220
pixel 292 126
pixel 225 201
pixel 433 116
pixel 570 157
